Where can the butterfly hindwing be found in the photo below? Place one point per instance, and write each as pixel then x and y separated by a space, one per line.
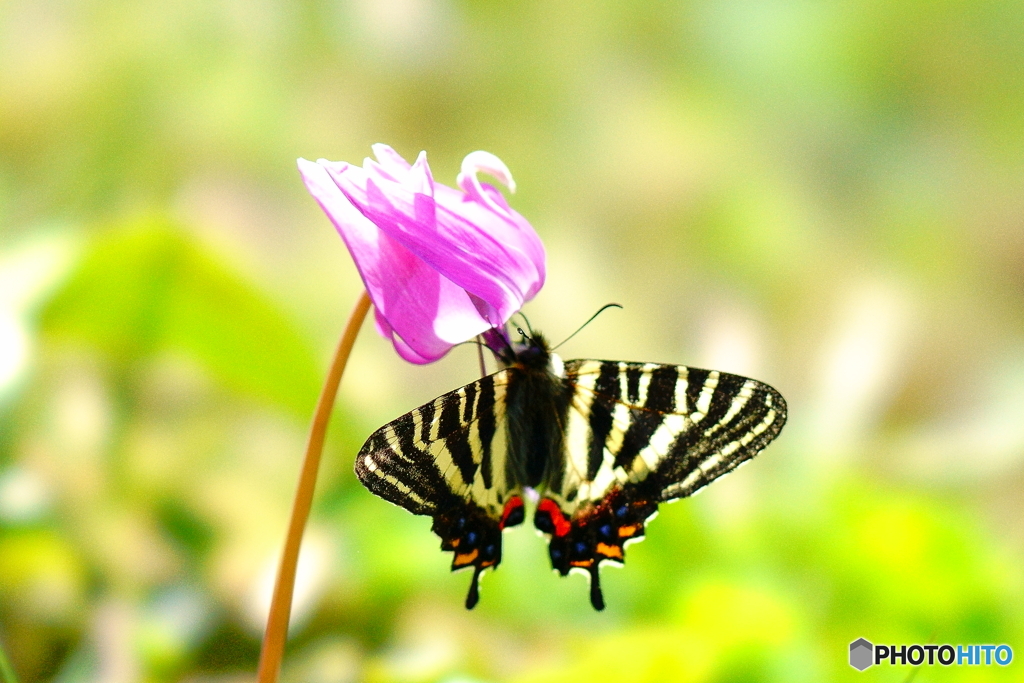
pixel 638 434
pixel 595 533
pixel 447 459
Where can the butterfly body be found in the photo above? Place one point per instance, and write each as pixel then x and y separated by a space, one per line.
pixel 536 405
pixel 602 443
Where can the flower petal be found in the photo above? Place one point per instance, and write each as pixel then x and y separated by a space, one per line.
pixel 475 240
pixel 391 160
pixel 507 230
pixel 423 312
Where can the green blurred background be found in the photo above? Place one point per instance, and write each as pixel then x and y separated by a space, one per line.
pixel 828 196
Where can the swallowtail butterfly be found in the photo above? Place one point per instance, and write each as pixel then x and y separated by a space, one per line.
pixel 602 443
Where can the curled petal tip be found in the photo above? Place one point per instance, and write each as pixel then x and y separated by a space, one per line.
pixel 485 162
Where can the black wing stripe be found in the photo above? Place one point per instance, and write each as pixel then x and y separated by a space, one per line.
pixel 403 432
pixel 633 374
pixel 457 442
pixel 451 410
pixel 661 391
pixel 469 405
pixel 424 417
pixel 696 379
pixel 487 425
pixel 607 390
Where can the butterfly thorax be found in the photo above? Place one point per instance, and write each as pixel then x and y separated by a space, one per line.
pixel 537 402
pixel 533 352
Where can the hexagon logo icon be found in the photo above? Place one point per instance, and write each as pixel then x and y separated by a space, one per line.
pixel 861 654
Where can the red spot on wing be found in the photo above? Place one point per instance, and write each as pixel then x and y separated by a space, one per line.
pixel 562 525
pixel 514 503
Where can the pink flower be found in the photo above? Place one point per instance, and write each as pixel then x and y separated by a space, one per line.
pixel 440 265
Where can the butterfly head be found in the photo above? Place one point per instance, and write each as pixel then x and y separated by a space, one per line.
pixel 532 353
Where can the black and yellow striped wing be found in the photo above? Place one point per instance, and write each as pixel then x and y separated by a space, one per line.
pixel 637 435
pixel 447 459
pixel 602 443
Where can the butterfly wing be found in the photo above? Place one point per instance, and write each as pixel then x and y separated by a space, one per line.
pixel 447 459
pixel 640 434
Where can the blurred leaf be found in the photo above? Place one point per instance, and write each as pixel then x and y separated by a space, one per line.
pixel 185 527
pixel 150 288
pixel 41 576
pixel 6 671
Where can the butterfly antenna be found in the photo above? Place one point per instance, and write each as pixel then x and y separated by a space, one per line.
pixel 590 320
pixel 528 326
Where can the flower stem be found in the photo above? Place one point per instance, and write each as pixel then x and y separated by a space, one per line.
pixel 281 604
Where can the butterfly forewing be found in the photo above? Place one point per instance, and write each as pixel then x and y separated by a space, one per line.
pixel 680 426
pixel 452 446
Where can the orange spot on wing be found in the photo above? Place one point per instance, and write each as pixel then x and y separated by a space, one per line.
pixel 627 531
pixel 466 558
pixel 582 563
pixel 488 563
pixel 454 542
pixel 609 550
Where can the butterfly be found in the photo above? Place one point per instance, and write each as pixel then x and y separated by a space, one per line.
pixel 600 444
